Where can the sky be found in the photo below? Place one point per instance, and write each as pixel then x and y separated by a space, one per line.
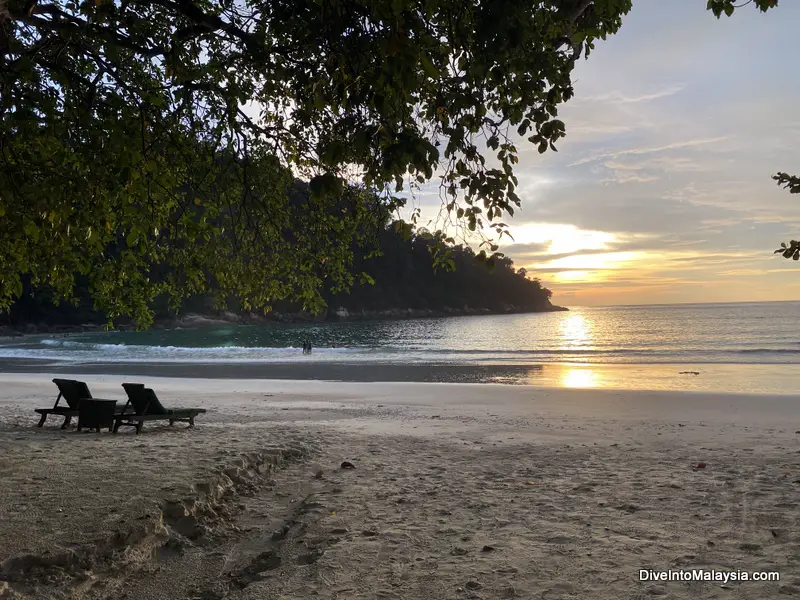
pixel 661 191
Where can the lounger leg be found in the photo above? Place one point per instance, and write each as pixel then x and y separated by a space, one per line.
pixel 139 426
pixel 117 423
pixel 42 420
pixel 191 421
pixel 67 421
pixel 171 422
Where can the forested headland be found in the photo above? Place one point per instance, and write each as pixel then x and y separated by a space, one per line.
pixel 400 282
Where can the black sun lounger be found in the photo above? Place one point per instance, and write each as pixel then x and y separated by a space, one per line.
pixel 147 407
pixel 73 392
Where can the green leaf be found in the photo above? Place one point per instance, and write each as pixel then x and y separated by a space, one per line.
pixel 428 66
pixel 31 230
pixel 326 184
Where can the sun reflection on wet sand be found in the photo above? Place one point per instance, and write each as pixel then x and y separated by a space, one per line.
pixel 580 377
pixel 713 378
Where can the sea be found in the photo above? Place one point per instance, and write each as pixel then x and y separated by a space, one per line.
pixel 730 347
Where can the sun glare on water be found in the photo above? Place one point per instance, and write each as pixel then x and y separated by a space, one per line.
pixel 576 332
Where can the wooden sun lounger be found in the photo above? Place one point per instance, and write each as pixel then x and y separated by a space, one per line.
pixel 147 407
pixel 72 391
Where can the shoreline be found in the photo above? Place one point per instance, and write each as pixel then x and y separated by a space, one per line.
pixel 193 320
pixel 733 378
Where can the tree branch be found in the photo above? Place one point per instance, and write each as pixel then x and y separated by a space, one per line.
pixel 80 27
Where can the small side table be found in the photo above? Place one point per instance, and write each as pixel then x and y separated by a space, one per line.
pixel 95 413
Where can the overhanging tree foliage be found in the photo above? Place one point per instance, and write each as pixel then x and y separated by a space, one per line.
pixel 114 115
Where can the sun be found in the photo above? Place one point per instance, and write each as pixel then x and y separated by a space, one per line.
pixel 561 238
pixel 589 268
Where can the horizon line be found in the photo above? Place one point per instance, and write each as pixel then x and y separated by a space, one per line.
pixel 674 304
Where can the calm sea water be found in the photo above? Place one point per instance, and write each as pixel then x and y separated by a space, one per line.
pixel 753 333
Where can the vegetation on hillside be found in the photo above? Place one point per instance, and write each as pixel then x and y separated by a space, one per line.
pixel 401 277
pixel 404 277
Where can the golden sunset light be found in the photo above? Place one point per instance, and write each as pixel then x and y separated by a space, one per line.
pixel 578 377
pixel 596 267
pixel 576 332
pixel 575 277
pixel 561 239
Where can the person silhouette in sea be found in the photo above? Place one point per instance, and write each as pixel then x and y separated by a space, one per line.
pixel 305 347
pixel 309 347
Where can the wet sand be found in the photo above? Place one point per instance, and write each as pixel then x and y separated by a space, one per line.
pixel 458 491
pixel 706 378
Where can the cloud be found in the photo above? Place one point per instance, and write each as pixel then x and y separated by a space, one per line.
pixel 589 130
pixel 636 98
pixel 651 150
pixel 628 179
pixel 526 250
pixel 657 163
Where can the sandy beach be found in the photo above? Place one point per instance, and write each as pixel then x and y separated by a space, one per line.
pixel 458 491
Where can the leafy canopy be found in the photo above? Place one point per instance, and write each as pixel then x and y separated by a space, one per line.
pixel 150 144
pixel 718 7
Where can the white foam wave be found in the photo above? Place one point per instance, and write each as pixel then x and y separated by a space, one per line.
pixel 74 351
pixel 66 350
